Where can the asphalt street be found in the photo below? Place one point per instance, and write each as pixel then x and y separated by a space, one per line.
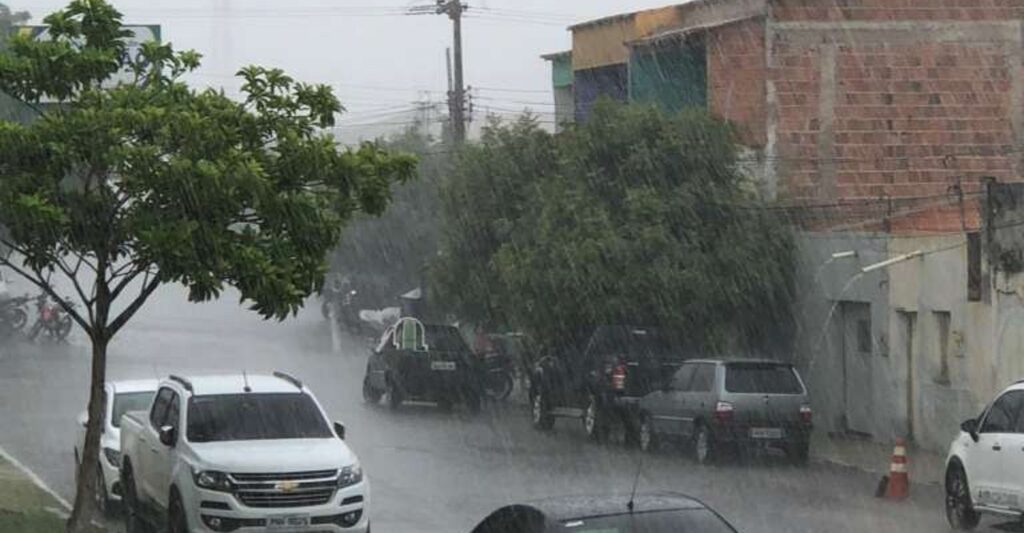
pixel 430 471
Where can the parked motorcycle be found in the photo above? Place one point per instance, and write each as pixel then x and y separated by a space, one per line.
pixel 51 320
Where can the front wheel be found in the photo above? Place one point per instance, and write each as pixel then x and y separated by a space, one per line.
pixel 959 510
pixel 500 386
pixel 18 319
pixel 176 520
pixel 371 395
pixel 541 412
pixel 63 329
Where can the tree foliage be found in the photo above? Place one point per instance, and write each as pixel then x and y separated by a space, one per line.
pixel 386 255
pixel 634 217
pixel 119 187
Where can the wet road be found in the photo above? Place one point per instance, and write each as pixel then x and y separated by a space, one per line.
pixel 430 471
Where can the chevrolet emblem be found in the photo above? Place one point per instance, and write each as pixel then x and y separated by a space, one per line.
pixel 287 486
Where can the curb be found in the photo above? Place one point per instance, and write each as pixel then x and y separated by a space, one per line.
pixel 35 479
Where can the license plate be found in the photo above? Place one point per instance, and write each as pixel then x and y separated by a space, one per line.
pixel 286 522
pixel 442 365
pixel 766 433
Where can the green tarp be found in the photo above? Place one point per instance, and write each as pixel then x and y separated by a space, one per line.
pixel 672 76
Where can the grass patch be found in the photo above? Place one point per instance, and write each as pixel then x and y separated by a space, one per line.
pixel 30 522
pixel 24 506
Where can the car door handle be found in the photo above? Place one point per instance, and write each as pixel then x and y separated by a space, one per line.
pixel 997 447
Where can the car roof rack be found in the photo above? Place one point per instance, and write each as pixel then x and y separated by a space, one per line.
pixel 288 378
pixel 184 382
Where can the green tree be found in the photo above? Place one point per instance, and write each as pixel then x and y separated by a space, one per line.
pixel 387 254
pixel 123 187
pixel 483 202
pixel 634 217
pixel 11 109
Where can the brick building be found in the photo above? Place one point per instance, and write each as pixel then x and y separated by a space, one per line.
pixel 882 127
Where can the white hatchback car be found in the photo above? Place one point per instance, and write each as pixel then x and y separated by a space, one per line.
pixel 119 398
pixel 985 463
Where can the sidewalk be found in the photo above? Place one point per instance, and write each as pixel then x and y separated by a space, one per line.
pixel 24 507
pixel 874 457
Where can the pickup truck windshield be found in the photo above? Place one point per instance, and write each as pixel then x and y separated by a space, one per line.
pixel 254 417
pixel 759 378
pixel 129 401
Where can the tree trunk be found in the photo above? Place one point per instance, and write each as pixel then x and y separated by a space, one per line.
pixel 85 509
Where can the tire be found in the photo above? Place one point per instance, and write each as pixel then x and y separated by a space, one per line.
pixel 704 446
pixel 541 412
pixel 799 453
pixel 960 511
pixel 646 438
pixel 394 394
pixel 18 319
pixel 371 395
pixel 63 329
pixel 500 386
pixel 176 519
pixel 133 522
pixel 594 420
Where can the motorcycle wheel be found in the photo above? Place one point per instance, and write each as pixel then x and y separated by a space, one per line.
pixel 18 318
pixel 499 386
pixel 63 329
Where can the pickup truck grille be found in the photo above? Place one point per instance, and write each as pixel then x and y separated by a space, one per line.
pixel 286 489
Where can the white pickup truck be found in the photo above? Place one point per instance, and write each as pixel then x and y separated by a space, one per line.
pixel 239 453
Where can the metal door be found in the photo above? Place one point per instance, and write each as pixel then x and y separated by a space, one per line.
pixel 858 347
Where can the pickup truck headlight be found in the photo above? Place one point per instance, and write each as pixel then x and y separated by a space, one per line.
pixel 212 480
pixel 350 475
pixel 113 457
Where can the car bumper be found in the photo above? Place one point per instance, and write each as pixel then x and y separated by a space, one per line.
pixel 218 512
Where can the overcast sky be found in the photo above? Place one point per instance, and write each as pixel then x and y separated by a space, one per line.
pixel 379 60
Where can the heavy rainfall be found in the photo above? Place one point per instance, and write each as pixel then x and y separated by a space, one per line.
pixel 490 267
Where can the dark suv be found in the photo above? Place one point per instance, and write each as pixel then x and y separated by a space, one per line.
pixel 601 383
pixel 719 404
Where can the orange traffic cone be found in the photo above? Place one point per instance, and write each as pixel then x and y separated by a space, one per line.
pixel 898 487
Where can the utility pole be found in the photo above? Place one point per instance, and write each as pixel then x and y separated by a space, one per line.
pixel 456 93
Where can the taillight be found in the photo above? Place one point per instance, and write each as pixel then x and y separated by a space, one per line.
pixel 806 414
pixel 723 412
pixel 619 377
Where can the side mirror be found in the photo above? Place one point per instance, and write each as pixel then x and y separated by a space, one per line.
pixel 168 435
pixel 83 419
pixel 339 429
pixel 970 426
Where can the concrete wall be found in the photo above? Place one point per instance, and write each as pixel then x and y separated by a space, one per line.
pixel 824 285
pixel 907 394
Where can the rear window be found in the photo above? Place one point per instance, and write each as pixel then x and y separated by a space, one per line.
pixel 754 378
pixel 228 417
pixel 445 339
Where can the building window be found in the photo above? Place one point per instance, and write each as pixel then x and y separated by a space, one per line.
pixel 974 267
pixel 942 319
pixel 864 336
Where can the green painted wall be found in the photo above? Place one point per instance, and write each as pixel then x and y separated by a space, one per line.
pixel 672 77
pixel 561 71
